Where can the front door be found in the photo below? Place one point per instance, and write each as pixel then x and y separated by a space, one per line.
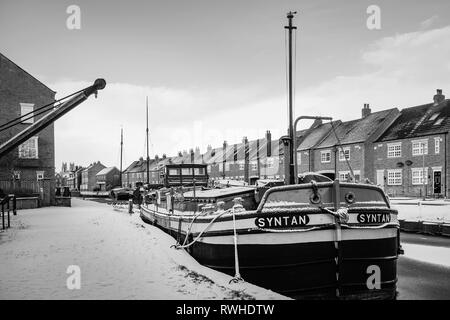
pixel 437 182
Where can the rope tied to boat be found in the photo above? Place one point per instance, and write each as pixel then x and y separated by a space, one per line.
pixel 237 206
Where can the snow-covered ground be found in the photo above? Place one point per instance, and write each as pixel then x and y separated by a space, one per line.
pixel 417 210
pixel 119 257
pixel 430 254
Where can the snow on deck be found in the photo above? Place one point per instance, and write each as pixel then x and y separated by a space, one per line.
pixel 120 257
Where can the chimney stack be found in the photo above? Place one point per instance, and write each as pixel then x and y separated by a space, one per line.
pixel 192 155
pixel 438 97
pixel 164 156
pixel 269 143
pixel 366 110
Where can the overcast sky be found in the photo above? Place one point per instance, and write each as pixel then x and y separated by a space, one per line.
pixel 215 70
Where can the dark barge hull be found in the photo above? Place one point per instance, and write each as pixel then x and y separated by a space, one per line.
pixel 305 270
pixel 320 256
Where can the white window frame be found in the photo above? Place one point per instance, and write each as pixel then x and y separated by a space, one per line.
pixel 323 156
pixel 417 176
pixel 342 153
pixel 394 150
pixel 419 147
pixel 40 175
pixel 16 175
pixel 299 157
pixel 395 177
pixel 22 151
pixel 437 145
pixel 24 109
pixel 270 162
pixel 344 175
pixel 254 165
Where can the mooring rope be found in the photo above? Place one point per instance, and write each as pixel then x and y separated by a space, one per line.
pixel 237 275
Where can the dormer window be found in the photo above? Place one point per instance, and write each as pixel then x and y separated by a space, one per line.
pixel 434 116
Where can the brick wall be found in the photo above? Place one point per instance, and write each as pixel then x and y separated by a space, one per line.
pixel 17 86
pixel 433 162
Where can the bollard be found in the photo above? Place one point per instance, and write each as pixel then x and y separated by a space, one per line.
pixel 130 206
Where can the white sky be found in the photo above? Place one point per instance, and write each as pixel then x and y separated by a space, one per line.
pixel 215 70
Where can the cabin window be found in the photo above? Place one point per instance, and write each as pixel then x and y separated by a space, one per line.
pixel 394 177
pixel 394 150
pixel 325 156
pixel 419 147
pixel 174 172
pixel 344 154
pixel 29 149
pixel 199 171
pixel 26 108
pixel 186 171
pixel 418 175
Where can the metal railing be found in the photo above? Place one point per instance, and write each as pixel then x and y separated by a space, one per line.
pixel 6 204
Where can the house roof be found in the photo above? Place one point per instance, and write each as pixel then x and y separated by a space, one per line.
pixel 29 74
pixel 106 171
pixel 423 120
pixel 316 135
pixel 355 131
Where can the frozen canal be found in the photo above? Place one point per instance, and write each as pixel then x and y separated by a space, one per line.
pixel 119 257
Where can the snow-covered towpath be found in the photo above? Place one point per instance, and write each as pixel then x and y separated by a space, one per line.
pixel 119 257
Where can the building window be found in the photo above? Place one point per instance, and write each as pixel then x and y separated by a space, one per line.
pixel 39 175
pixel 26 108
pixel 299 157
pixel 357 174
pixel 345 154
pixel 16 175
pixel 325 156
pixel 344 175
pixel 29 149
pixel 241 165
pixel 418 175
pixel 394 177
pixel 419 147
pixel 437 145
pixel 394 150
pixel 254 166
pixel 270 162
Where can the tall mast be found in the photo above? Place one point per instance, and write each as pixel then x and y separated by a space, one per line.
pixel 121 154
pixel 148 158
pixel 290 27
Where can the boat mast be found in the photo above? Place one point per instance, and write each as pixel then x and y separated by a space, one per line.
pixel 121 154
pixel 290 27
pixel 148 158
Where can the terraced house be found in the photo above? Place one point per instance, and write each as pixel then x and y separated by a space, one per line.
pixel 412 155
pixel 340 148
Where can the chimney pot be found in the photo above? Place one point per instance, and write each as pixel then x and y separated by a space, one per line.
pixel 366 110
pixel 438 97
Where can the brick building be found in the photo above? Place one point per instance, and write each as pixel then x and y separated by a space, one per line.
pixel 89 176
pixel 412 156
pixel 108 178
pixel 28 170
pixel 349 145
